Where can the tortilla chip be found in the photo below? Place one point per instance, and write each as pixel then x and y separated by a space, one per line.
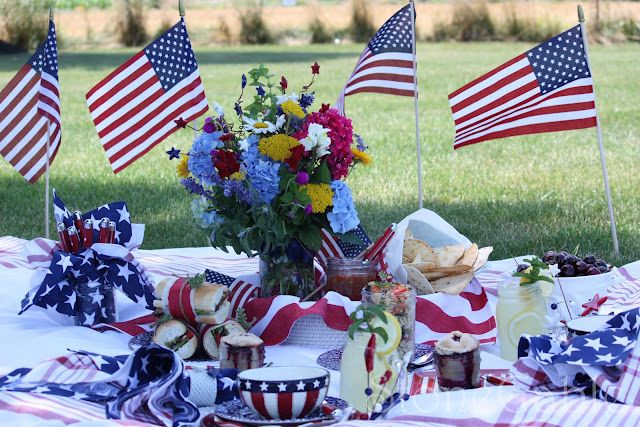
pixel 448 271
pixel 421 266
pixel 418 281
pixel 408 234
pixel 453 285
pixel 483 257
pixel 415 249
pixel 432 275
pixel 470 255
pixel 449 255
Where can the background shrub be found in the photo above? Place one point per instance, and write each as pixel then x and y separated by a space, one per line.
pixel 253 28
pixel 130 24
pixel 362 28
pixel 25 22
pixel 319 32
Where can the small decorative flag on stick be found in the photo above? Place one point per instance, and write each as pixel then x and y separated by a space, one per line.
pixel 387 63
pixel 135 107
pixel 30 112
pixel 546 89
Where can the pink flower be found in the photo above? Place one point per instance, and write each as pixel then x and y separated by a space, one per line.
pixel 341 135
pixel 308 210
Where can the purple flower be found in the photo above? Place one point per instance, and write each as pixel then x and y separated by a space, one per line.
pixel 238 109
pixel 302 177
pixel 306 99
pixel 244 81
pixel 260 91
pixel 209 126
pixel 308 209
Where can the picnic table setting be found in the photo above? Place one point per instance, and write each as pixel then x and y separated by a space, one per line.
pixel 295 315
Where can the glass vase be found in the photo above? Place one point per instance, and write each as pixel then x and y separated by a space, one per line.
pixel 95 303
pixel 279 275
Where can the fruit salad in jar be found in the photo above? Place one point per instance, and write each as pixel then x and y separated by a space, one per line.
pixel 399 300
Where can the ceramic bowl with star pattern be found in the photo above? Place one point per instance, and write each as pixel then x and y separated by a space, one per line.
pixel 283 392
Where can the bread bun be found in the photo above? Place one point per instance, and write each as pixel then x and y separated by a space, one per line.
pixel 178 336
pixel 210 336
pixel 205 304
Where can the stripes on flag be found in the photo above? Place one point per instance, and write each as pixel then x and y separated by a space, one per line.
pixel 546 89
pixel 387 63
pixel 30 112
pixel 135 107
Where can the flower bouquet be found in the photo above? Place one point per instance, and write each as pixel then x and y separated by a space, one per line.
pixel 270 181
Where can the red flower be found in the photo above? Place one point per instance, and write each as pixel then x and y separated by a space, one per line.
pixel 369 353
pixel 227 137
pixel 226 163
pixel 283 83
pixel 296 156
pixel 324 108
pixel 315 68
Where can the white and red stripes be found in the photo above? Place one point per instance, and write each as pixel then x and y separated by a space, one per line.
pixel 507 101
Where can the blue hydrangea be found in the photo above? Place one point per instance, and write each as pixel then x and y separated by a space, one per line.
pixel 232 187
pixel 343 217
pixel 262 174
pixel 200 163
pixel 204 217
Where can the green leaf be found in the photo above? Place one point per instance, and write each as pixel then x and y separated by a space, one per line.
pixel 378 311
pixel 322 175
pixel 383 334
pixel 196 281
pixel 310 237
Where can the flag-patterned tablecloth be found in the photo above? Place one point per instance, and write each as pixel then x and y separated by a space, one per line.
pixel 39 335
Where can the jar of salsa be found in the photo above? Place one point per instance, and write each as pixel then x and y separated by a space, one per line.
pixel 348 276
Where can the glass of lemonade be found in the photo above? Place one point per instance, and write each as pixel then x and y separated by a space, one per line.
pixel 521 310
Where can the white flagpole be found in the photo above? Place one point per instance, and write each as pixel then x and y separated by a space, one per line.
pixel 415 104
pixel 47 209
pixel 603 161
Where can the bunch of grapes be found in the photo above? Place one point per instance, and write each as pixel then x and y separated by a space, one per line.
pixel 572 266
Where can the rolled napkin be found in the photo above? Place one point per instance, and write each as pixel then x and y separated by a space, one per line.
pixel 150 385
pixel 606 358
pixel 205 303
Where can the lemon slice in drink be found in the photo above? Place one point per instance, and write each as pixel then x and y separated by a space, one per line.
pixel 524 323
pixel 394 333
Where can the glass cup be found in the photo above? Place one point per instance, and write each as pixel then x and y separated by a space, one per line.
pixel 348 276
pixel 95 303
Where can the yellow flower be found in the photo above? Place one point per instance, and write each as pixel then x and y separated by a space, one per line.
pixel 237 176
pixel 361 156
pixel 278 147
pixel 183 168
pixel 290 108
pixel 321 196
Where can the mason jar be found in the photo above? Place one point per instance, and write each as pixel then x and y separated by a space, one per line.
pixel 95 303
pixel 348 276
pixel 402 305
pixel 521 310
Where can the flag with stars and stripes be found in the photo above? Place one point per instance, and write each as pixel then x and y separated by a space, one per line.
pixel 334 247
pixel 66 275
pixel 547 89
pixel 30 112
pixel 150 385
pixel 387 64
pixel 135 107
pixel 239 291
pixel 607 358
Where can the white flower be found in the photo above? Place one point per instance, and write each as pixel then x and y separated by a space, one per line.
pixel 244 144
pixel 317 138
pixel 218 109
pixel 258 127
pixel 280 121
pixel 284 98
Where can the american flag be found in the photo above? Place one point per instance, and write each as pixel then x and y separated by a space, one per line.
pixel 334 247
pixel 134 107
pixel 30 112
pixel 239 291
pixel 607 358
pixel 150 386
pixel 387 63
pixel 546 89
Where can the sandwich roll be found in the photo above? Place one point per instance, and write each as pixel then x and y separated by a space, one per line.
pixel 210 336
pixel 178 336
pixel 205 304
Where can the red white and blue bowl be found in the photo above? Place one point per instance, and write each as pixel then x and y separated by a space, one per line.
pixel 283 392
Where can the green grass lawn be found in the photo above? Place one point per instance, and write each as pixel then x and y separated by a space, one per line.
pixel 522 195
